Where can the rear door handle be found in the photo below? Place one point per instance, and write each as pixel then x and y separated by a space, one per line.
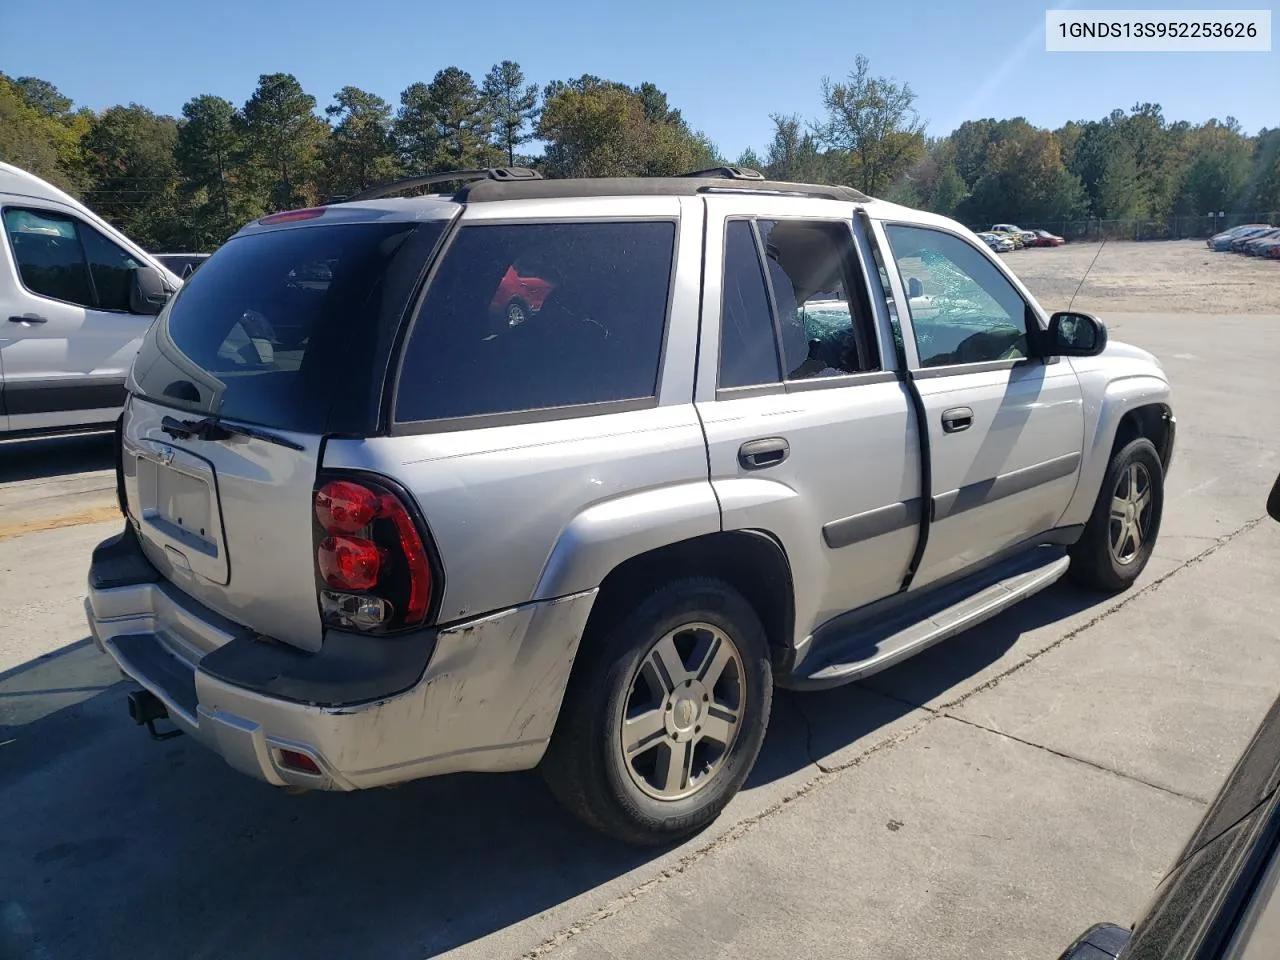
pixel 759 454
pixel 957 419
pixel 29 318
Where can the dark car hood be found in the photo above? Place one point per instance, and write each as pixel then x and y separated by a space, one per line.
pixel 1251 783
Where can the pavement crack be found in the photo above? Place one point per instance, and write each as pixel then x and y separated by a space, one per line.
pixel 740 829
pixel 1151 587
pixel 807 723
pixel 1077 759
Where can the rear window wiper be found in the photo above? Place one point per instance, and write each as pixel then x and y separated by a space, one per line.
pixel 210 428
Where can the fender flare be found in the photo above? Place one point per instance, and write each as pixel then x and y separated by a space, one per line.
pixel 1102 420
pixel 612 531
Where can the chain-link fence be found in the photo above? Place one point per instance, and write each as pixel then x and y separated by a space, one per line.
pixel 1173 228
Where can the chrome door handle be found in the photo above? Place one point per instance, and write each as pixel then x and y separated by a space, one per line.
pixel 759 454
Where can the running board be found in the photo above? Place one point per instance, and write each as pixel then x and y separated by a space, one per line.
pixel 867 648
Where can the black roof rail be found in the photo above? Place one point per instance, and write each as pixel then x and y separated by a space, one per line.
pixel 505 174
pixel 725 173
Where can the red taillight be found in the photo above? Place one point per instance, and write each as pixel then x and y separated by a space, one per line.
pixel 371 558
pixel 346 507
pixel 415 556
pixel 289 216
pixel 349 563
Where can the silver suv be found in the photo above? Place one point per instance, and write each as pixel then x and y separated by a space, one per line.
pixel 736 433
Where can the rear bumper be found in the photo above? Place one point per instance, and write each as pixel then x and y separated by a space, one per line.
pixel 482 695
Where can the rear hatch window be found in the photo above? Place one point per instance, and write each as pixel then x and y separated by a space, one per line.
pixel 279 326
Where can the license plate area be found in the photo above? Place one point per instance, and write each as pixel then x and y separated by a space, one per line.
pixel 176 509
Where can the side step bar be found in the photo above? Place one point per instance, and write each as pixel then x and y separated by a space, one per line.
pixel 870 647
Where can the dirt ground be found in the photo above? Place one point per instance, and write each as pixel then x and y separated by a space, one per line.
pixel 1175 276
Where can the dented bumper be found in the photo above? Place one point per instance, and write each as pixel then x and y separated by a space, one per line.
pixel 480 695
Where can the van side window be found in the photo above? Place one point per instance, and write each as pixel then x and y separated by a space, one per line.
pixel 51 261
pixel 110 268
pixel 62 258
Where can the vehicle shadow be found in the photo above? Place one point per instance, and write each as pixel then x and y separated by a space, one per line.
pixel 44 457
pixel 117 847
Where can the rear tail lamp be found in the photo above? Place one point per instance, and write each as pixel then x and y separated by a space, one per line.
pixel 349 563
pixel 372 565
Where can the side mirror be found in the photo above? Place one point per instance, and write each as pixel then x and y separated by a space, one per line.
pixel 1075 335
pixel 147 291
pixel 1273 501
pixel 915 288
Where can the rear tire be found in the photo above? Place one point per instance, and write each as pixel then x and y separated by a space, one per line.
pixel 1121 533
pixel 639 749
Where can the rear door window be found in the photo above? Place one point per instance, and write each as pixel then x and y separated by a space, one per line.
pixel 748 342
pixel 530 316
pixel 825 332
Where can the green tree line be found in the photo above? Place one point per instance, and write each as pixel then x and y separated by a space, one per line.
pixel 188 182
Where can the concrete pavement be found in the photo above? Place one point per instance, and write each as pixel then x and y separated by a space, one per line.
pixel 993 796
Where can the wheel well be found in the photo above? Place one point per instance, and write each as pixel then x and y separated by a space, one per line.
pixel 753 563
pixel 1150 421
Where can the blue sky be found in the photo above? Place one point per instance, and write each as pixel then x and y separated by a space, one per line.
pixel 727 66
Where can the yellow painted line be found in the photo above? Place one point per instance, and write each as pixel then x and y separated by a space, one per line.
pixel 40 524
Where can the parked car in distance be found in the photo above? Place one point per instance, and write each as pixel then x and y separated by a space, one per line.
pixel 1223 241
pixel 595 540
pixel 1270 250
pixel 1012 231
pixel 1043 238
pixel 1028 237
pixel 1246 244
pixel 76 297
pixel 997 242
pixel 183 264
pixel 1221 899
pixel 519 296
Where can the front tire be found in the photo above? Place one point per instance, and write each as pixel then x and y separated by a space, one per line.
pixel 1121 533
pixel 664 715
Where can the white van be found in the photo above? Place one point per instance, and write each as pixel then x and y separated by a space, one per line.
pixel 76 297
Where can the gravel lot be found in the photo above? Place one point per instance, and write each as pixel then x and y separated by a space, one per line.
pixel 1156 276
pixel 992 797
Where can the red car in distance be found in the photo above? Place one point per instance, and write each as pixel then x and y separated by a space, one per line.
pixel 518 297
pixel 1046 239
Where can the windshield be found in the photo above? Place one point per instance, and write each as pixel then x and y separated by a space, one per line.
pixel 277 326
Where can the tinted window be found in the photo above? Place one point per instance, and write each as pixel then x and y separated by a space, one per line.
pixel 110 267
pixel 279 327
pixel 963 309
pixel 51 262
pixel 183 264
pixel 748 347
pixel 594 299
pixel 808 265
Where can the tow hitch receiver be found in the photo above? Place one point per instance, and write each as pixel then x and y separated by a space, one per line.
pixel 145 708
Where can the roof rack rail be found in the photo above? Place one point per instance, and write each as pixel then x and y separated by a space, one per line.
pixel 726 173
pixel 451 176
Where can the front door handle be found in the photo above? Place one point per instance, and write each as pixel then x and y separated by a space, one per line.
pixel 759 454
pixel 29 318
pixel 957 419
